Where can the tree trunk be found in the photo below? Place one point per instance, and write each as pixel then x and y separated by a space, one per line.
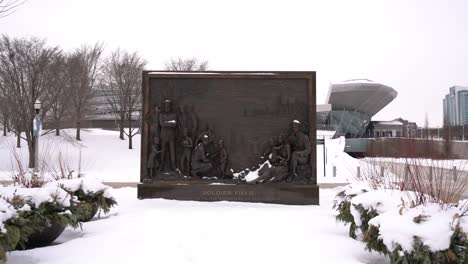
pixel 78 136
pixel 32 154
pixel 130 135
pixel 130 144
pixel 121 133
pixel 121 127
pixel 57 128
pixel 4 131
pixel 18 140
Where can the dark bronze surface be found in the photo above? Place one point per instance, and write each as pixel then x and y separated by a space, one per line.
pixel 218 125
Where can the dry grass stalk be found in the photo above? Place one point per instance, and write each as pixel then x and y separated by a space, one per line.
pixel 48 168
pixel 426 180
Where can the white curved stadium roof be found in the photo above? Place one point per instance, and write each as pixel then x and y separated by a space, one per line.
pixel 360 95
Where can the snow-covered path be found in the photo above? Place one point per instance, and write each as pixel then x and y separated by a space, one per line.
pixel 163 231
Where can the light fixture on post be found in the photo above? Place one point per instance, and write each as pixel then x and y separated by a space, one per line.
pixel 37 107
pixel 37 124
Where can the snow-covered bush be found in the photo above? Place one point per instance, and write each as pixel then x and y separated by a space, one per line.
pixel 420 234
pixel 91 195
pixel 88 194
pixel 32 210
pixel 393 224
pixel 10 229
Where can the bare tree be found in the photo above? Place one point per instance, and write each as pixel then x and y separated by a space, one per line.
pixel 58 95
pixel 81 73
pixel 25 74
pixel 191 64
pixel 8 7
pixel 121 84
pixel 4 112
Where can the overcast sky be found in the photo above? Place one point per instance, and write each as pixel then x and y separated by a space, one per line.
pixel 420 48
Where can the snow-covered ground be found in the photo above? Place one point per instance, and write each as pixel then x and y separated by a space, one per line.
pixel 164 231
pixel 103 154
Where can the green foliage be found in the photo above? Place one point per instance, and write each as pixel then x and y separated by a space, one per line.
pixel 420 218
pixel 90 201
pixel 343 205
pixel 459 245
pixel 19 228
pixel 421 254
pixel 32 219
pixel 366 216
pixel 373 241
pixel 84 211
pixel 457 253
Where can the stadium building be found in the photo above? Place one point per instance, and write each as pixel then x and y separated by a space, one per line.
pixel 350 106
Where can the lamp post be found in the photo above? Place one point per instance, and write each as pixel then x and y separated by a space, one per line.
pixel 36 133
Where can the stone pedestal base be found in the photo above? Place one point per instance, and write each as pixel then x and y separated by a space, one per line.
pixel 259 193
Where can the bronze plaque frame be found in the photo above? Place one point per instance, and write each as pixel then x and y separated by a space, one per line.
pixel 308 76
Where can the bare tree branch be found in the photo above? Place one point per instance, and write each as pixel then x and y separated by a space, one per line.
pixel 82 69
pixel 25 76
pixel 191 64
pixel 8 7
pixel 121 85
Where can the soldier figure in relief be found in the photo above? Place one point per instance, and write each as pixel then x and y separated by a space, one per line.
pixel 300 148
pixel 223 158
pixel 201 164
pixel 168 124
pixel 280 153
pixel 187 145
pixel 153 161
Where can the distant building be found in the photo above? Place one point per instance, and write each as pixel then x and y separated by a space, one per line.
pixel 456 106
pixel 396 128
pixel 353 103
pixel 99 113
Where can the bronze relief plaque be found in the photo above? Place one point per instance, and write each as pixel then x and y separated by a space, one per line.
pixel 234 128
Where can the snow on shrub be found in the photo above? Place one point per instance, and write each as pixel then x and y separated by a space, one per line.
pixel 431 224
pixel 91 195
pixel 422 234
pixel 6 213
pixel 393 224
pixel 368 205
pixel 342 204
pixel 88 185
pixel 8 237
pixel 37 196
pixel 24 211
pixel 42 205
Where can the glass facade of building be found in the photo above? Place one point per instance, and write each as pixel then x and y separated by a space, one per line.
pixel 463 104
pixel 351 124
pixel 455 106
